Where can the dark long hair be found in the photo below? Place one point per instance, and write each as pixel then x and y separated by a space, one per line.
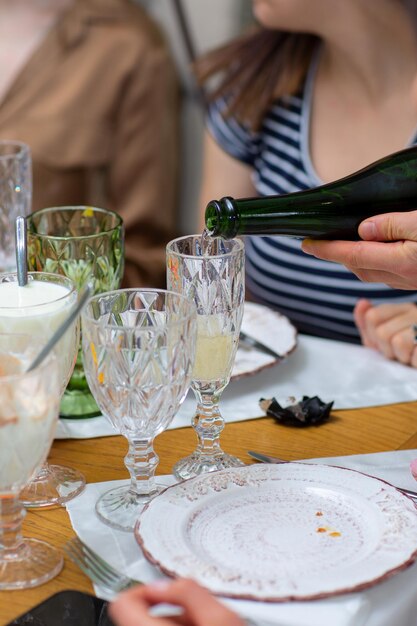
pixel 256 69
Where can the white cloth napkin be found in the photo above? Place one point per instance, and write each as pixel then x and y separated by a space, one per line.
pixel 391 602
pixel 351 375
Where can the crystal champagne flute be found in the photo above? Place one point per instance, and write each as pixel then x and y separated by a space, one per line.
pixel 213 278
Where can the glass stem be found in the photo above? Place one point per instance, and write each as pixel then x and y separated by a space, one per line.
pixel 141 462
pixel 208 423
pixel 12 513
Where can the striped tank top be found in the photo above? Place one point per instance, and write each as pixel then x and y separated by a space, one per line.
pixel 318 296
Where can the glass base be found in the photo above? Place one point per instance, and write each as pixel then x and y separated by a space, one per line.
pixel 78 404
pixel 121 507
pixel 53 486
pixel 34 563
pixel 197 464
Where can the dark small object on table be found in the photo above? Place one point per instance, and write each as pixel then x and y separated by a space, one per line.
pixel 308 412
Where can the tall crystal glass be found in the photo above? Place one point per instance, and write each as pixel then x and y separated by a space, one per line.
pixel 15 196
pixel 212 278
pixel 29 404
pixel 86 245
pixel 39 308
pixel 139 347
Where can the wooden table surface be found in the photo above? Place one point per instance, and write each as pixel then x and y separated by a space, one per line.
pixel 358 431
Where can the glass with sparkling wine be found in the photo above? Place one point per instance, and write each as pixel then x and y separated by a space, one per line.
pixel 210 274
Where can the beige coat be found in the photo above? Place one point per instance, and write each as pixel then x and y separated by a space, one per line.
pixel 98 105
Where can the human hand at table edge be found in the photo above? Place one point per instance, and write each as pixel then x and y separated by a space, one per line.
pixel 387 253
pixel 388 328
pixel 200 607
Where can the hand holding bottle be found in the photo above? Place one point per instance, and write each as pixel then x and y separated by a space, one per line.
pixel 200 608
pixel 387 255
pixel 331 211
pixel 388 328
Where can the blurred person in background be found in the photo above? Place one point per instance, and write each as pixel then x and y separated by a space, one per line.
pixel 319 89
pixel 91 87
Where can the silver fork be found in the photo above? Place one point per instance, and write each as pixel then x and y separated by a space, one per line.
pixel 250 342
pixel 97 569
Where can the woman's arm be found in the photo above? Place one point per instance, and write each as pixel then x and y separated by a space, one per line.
pixel 223 175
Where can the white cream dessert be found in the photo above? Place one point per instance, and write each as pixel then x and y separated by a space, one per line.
pixel 38 309
pixel 28 411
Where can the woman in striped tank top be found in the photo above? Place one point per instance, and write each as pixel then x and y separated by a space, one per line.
pixel 318 90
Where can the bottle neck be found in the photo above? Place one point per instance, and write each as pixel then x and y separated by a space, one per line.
pixel 222 218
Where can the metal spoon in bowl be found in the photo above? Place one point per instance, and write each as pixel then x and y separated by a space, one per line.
pixel 21 250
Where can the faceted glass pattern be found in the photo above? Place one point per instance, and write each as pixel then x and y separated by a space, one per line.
pixel 138 348
pixel 211 274
pixel 86 244
pixel 29 403
pixel 15 196
pixel 53 484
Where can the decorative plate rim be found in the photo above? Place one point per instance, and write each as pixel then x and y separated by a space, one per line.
pixel 290 597
pixel 284 355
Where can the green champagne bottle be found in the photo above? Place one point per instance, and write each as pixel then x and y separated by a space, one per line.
pixel 331 211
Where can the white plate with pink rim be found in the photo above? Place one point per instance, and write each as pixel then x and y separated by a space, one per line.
pixel 280 532
pixel 270 328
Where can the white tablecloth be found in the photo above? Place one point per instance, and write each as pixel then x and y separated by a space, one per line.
pixel 391 603
pixel 351 375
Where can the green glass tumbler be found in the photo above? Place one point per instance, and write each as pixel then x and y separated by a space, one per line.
pixel 86 244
